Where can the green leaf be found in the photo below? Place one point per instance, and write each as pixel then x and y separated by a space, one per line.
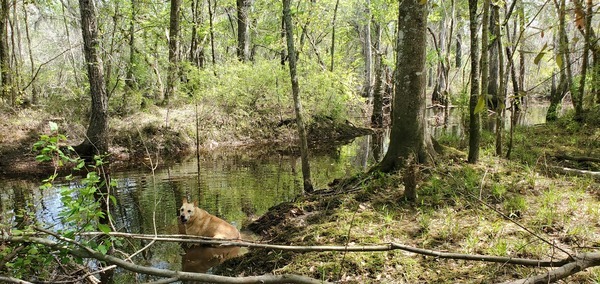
pixel 104 228
pixel 480 104
pixel 102 248
pixel 559 61
pixel 538 57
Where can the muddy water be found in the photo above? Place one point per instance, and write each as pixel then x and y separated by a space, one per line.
pixel 235 185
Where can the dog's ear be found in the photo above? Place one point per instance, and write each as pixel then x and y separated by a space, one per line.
pixel 185 200
pixel 196 203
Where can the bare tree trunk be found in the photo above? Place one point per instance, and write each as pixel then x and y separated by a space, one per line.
pixel 8 91
pixel 68 34
pixel 458 63
pixel 129 77
pixel 501 96
pixel 580 94
pixel 408 142
pixel 332 51
pixel 563 61
pixel 212 32
pixel 485 47
pixel 283 52
pixel 173 73
pixel 96 141
pixel 474 118
pixel 34 90
pixel 378 89
pixel 308 187
pixel 243 35
pixel 368 53
pixel 521 98
pixel 493 88
pixel 195 56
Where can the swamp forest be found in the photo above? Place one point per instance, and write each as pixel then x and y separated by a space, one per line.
pixel 354 141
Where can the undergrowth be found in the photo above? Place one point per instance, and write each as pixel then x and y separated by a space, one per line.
pixel 462 208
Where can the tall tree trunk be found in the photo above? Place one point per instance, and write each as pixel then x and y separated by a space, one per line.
pixel 129 77
pixel 458 62
pixel 408 142
pixel 283 52
pixel 474 117
pixel 196 56
pixel 368 53
pixel 521 97
pixel 485 47
pixel 378 88
pixel 8 91
pixel 501 96
pixel 308 187
pixel 173 73
pixel 563 62
pixel 332 51
pixel 494 74
pixel 96 141
pixel 34 89
pixel 212 32
pixel 68 35
pixel 580 94
pixel 243 34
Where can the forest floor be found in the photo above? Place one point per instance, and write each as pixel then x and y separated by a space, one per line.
pixel 461 208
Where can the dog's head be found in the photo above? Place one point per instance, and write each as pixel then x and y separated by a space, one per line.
pixel 187 210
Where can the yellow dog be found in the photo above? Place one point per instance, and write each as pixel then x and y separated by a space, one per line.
pixel 200 223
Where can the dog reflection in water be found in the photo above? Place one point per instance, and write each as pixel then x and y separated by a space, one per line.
pixel 202 258
pixel 195 221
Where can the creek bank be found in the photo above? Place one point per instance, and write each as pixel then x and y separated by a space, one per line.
pixel 448 216
pixel 135 138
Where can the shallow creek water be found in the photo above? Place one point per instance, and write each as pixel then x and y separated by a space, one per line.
pixel 235 185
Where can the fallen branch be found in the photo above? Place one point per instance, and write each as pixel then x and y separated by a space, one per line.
pixel 577 158
pixel 581 262
pixel 85 252
pixel 8 279
pixel 369 248
pixel 571 171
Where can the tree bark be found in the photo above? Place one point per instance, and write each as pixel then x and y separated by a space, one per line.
pixel 332 51
pixel 493 88
pixel 563 60
pixel 308 187
pixel 378 89
pixel 407 138
pixel 500 101
pixel 212 33
pixel 243 35
pixel 96 141
pixel 474 118
pixel 368 53
pixel 8 90
pixel 580 94
pixel 173 72
pixel 129 77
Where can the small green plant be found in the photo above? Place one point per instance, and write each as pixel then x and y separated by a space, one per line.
pixel 82 209
pixel 498 190
pixel 514 205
